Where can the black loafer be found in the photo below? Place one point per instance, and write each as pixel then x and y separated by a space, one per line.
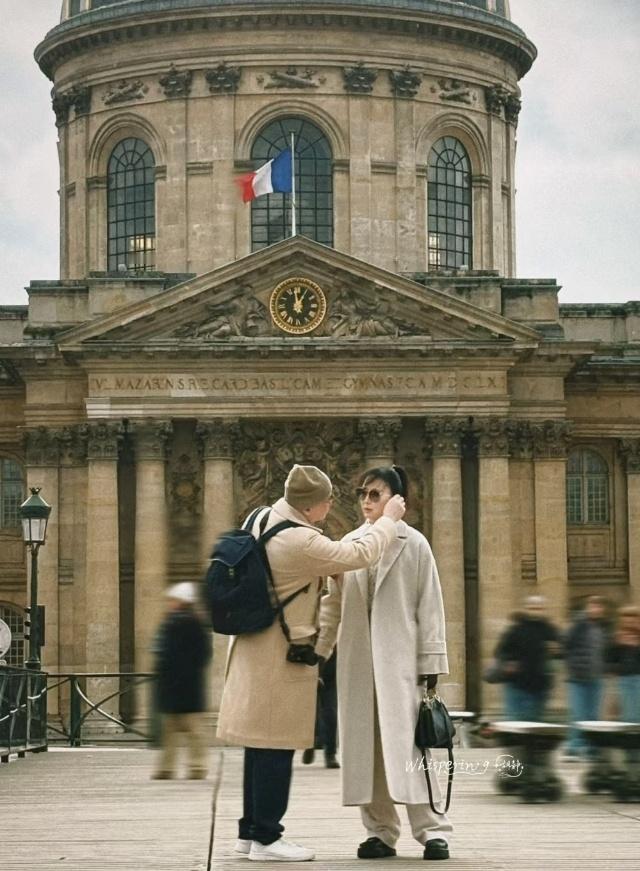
pixel 330 761
pixel 374 848
pixel 308 756
pixel 436 848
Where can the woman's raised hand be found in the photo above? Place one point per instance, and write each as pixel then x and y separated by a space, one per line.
pixel 395 507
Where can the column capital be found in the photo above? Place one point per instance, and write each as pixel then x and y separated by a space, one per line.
pixel 42 446
pixel 103 439
pixel 630 450
pixel 150 438
pixel 520 439
pixel 73 444
pixel 445 435
pixel 217 437
pixel 550 439
pixel 493 436
pixel 380 435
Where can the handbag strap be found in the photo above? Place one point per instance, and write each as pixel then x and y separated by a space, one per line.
pixel 425 765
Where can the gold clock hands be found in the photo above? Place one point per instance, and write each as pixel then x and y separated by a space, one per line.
pixel 297 305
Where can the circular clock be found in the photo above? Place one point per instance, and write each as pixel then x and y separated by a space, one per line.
pixel 5 638
pixel 298 305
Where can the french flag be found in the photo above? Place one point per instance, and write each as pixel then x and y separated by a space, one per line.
pixel 273 177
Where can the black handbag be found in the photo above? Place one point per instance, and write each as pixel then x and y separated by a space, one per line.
pixel 434 730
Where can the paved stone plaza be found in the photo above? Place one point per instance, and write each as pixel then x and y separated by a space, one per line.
pixel 96 808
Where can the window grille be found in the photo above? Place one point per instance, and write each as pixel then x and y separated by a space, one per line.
pixel 131 207
pixel 11 493
pixel 587 488
pixel 449 205
pixel 271 214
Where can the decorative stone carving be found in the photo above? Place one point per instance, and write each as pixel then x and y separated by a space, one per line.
pixel 630 450
pixel 380 435
pixel 60 105
pixel 104 438
pixel 512 106
pixel 493 436
pixel 242 316
pixel 404 82
pixel 176 84
pixel 184 489
pixel 454 91
pixel 223 79
pixel 445 435
pixel 151 438
pixel 80 98
pixel 520 439
pixel 42 446
pixel 266 452
pixel 357 313
pixel 125 90
pixel 217 438
pixel 359 79
pixel 73 444
pixel 550 439
pixel 291 78
pixel 495 98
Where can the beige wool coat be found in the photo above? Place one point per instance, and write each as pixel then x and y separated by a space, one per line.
pixel 269 702
pixel 404 638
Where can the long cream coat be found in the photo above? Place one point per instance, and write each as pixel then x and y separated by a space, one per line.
pixel 406 638
pixel 267 701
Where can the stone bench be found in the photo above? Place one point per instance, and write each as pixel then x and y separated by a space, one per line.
pixel 610 739
pixel 529 774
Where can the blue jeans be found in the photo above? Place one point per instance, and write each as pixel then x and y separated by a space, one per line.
pixel 629 694
pixel 522 704
pixel 585 697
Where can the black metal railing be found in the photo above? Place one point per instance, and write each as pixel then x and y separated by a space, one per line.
pixel 23 711
pixel 90 700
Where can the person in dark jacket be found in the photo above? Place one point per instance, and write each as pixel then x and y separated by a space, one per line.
pixel 623 661
pixel 525 650
pixel 584 650
pixel 183 652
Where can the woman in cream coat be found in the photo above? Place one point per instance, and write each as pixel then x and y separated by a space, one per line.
pixel 392 640
pixel 269 703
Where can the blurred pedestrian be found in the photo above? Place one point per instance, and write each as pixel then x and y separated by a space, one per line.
pixel 525 653
pixel 585 645
pixel 326 737
pixel 623 661
pixel 392 643
pixel 182 654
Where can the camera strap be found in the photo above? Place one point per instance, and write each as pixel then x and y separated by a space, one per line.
pixel 262 541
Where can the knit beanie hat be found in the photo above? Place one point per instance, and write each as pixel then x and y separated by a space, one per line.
pixel 306 486
pixel 184 592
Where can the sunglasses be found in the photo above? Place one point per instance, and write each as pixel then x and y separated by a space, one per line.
pixel 363 494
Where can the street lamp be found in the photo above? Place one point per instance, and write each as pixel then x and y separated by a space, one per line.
pixel 34 514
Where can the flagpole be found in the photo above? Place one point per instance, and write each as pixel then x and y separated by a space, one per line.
pixel 293 186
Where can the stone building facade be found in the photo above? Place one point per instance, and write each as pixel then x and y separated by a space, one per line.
pixel 156 392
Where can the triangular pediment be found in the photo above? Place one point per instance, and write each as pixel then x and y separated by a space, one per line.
pixel 234 305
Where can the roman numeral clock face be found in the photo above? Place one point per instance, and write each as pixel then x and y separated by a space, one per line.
pixel 298 305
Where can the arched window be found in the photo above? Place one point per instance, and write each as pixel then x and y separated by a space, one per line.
pixel 11 493
pixel 270 214
pixel 449 205
pixel 14 619
pixel 131 207
pixel 587 488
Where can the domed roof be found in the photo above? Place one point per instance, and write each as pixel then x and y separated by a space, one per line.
pixel 71 8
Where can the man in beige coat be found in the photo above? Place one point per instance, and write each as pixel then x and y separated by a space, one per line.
pixel 269 703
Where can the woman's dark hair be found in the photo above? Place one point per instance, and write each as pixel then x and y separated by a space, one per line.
pixel 394 477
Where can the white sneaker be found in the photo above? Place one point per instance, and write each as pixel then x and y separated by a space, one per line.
pixel 242 846
pixel 280 851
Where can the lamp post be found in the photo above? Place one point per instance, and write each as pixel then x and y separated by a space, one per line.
pixel 34 514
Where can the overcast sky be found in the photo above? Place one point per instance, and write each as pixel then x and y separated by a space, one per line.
pixel 578 166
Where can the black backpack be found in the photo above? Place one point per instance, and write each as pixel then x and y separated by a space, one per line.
pixel 239 586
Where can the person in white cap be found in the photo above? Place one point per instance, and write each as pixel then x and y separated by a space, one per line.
pixel 269 699
pixel 183 651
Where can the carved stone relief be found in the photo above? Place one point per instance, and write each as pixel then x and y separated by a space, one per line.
pixel 379 435
pixel 241 316
pixel 404 82
pixel 630 450
pixel 42 446
pixel 305 79
pixel 184 488
pixel 359 79
pixel 445 435
pixel 493 436
pixel 176 84
pixel 151 437
pixel 104 438
pixel 223 79
pixel 217 438
pixel 454 91
pixel 125 90
pixel 512 107
pixel 550 439
pixel 362 314
pixel 495 98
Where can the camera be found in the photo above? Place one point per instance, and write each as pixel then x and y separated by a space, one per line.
pixel 303 654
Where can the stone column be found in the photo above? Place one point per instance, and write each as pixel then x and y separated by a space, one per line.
pixel 43 470
pixel 218 514
pixel 445 435
pixel 380 435
pixel 360 176
pixel 406 255
pixel 102 563
pixel 151 535
pixel 630 449
pixel 494 542
pixel 550 440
